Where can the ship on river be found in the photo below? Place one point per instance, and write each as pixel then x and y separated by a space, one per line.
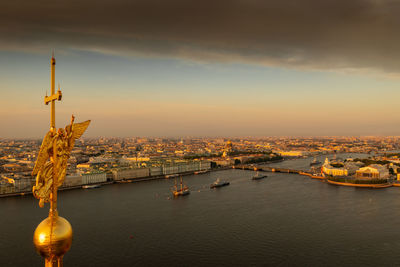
pixel 92 186
pixel 315 162
pixel 182 191
pixel 219 183
pixel 259 176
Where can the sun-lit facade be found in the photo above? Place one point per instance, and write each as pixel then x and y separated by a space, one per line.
pixel 328 169
pixel 374 171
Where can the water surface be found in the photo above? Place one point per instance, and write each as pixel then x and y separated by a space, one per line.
pixel 283 220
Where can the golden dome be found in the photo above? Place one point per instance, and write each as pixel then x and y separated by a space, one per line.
pixel 53 237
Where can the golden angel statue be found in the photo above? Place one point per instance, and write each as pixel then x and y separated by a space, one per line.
pixel 51 163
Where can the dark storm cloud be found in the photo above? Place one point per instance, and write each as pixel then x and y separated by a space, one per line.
pixel 318 34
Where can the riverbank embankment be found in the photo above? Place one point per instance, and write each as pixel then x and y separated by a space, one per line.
pixel 385 185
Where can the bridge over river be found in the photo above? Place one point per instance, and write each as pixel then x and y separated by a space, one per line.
pixel 275 169
pixel 267 169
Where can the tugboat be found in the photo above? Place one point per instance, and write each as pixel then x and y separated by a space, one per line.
pixel 258 176
pixel 183 191
pixel 219 183
pixel 315 162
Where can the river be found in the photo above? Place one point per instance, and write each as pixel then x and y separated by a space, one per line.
pixel 283 220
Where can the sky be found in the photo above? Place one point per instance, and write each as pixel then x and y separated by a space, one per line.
pixel 202 68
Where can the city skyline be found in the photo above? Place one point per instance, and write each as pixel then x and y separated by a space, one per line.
pixel 206 69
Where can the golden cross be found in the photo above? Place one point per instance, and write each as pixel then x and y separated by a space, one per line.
pixel 54 96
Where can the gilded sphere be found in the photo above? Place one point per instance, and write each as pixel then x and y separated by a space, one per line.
pixel 53 237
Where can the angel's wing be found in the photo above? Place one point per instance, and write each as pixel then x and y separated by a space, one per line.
pixel 43 154
pixel 79 128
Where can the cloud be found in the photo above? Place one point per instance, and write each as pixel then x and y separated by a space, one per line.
pixel 309 34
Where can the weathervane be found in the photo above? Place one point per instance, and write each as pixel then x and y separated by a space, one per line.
pixel 53 236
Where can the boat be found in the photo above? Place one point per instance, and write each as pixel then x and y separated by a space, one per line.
pixel 219 183
pixel 258 176
pixel 124 181
pixel 171 176
pixel 315 162
pixel 201 172
pixel 92 186
pixel 182 191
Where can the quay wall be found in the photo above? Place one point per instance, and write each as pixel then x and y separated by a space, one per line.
pixel 360 185
pixel 312 175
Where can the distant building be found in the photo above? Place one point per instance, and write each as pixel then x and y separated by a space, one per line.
pixel 130 173
pixel 229 146
pixel 23 184
pixel 72 180
pixel 92 178
pixel 374 171
pixel 228 149
pixel 13 167
pixel 137 159
pixel 292 153
pixel 328 169
pixel 83 166
pixel 352 166
pixel 224 162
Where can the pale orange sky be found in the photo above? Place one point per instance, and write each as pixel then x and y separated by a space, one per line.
pixel 226 68
pixel 159 97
